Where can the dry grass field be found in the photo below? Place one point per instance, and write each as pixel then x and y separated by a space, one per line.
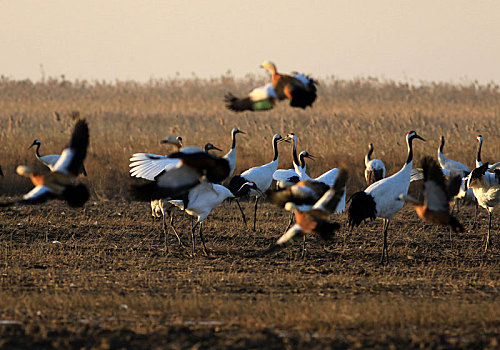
pixel 101 278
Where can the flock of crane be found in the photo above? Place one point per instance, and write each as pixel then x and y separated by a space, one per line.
pixel 191 178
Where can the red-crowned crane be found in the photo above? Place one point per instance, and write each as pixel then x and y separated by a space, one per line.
pixel 478 155
pixel 231 155
pixel 262 176
pixel 486 187
pixel 375 168
pixel 205 197
pixel 287 177
pixel 328 178
pixel 381 198
pixel 450 164
pixel 435 208
pixel 176 173
pixel 60 182
pixel 162 208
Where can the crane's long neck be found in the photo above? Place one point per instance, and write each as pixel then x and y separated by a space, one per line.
pixel 275 149
pixel 233 146
pixel 294 152
pixel 369 154
pixel 409 142
pixel 302 161
pixel 241 192
pixel 478 156
pixel 37 150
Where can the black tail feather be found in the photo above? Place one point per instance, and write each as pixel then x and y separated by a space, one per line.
pixel 235 185
pixel 149 191
pixel 362 207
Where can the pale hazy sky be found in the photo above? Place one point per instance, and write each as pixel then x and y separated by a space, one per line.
pixel 452 40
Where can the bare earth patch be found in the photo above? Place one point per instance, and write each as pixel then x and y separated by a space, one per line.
pixel 101 278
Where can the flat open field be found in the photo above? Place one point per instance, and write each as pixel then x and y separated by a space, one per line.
pixel 110 283
pixel 101 277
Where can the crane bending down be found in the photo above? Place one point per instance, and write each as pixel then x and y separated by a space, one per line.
pixel 202 199
pixel 380 198
pixel 162 207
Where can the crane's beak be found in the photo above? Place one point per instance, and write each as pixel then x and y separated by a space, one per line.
pixel 419 137
pixel 242 132
pixel 215 148
pixel 284 139
pixel 310 156
pixel 32 145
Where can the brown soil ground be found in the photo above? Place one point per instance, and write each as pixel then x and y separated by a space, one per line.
pixel 101 278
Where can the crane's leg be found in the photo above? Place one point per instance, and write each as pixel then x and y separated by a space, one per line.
pixel 454 205
pixel 193 238
pixel 255 212
pixel 303 246
pixel 241 211
pixel 84 172
pixel 385 254
pixel 488 235
pixel 205 250
pixel 474 222
pixel 165 232
pixel 181 243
